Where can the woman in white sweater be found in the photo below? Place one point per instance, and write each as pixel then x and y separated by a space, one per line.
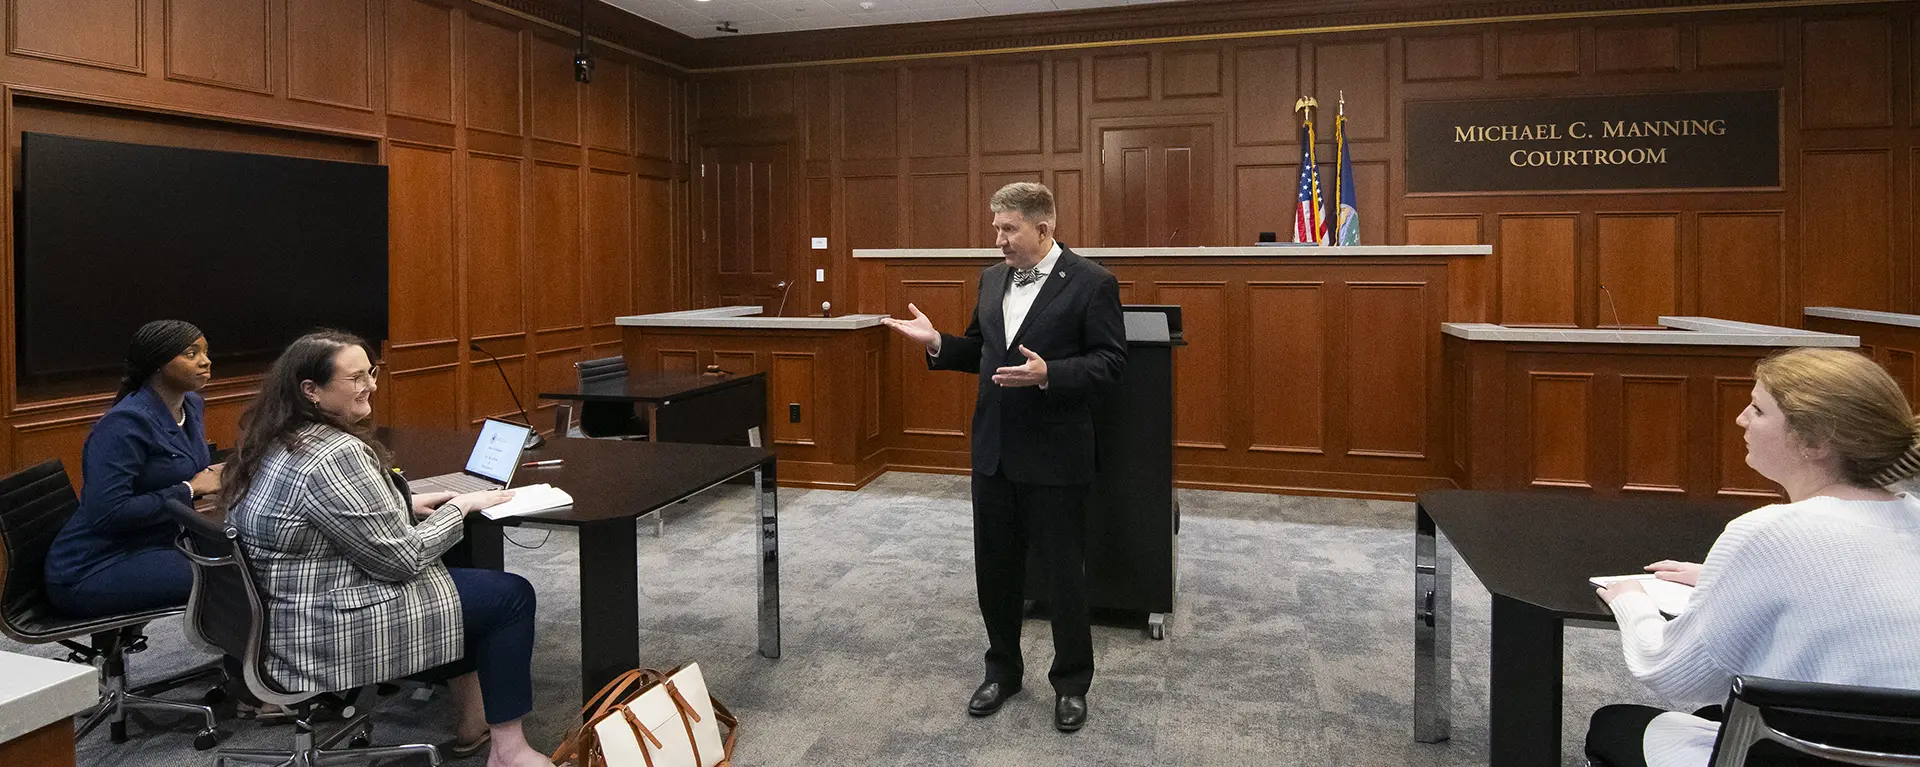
pixel 1820 589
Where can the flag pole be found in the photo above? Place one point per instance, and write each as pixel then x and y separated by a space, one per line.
pixel 1305 105
pixel 1339 156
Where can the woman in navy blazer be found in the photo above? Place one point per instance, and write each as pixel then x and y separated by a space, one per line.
pixel 116 555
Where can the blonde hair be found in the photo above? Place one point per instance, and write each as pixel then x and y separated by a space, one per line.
pixel 1842 400
pixel 1031 200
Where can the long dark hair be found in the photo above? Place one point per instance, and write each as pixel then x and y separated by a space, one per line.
pixel 281 410
pixel 153 346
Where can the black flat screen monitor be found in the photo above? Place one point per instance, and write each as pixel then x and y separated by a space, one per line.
pixel 254 249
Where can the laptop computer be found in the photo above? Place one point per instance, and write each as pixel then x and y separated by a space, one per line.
pixel 496 454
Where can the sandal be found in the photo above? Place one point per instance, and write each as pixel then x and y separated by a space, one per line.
pixel 458 750
pixel 264 713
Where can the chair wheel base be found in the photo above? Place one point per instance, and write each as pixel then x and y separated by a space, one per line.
pixel 207 739
pixel 359 741
pixel 117 732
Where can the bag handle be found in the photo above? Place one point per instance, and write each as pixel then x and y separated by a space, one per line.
pixel 726 717
pixel 614 694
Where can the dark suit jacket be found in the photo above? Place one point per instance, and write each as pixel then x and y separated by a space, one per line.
pixel 134 461
pixel 1036 436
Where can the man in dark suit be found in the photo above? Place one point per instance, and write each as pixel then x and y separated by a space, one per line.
pixel 1046 337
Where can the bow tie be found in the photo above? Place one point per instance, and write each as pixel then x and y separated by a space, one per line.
pixel 1025 277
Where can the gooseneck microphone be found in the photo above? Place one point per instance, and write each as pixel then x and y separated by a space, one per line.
pixel 784 287
pixel 533 435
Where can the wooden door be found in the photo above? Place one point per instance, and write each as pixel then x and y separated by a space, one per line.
pixel 1157 187
pixel 741 249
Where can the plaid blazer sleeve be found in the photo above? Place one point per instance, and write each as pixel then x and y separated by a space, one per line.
pixel 355 509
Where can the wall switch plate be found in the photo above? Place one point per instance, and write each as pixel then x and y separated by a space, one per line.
pixel 793 412
pixel 819 275
pixel 819 243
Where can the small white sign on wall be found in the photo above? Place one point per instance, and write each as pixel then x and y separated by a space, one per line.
pixel 819 243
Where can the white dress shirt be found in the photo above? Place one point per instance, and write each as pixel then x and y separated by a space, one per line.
pixel 1019 299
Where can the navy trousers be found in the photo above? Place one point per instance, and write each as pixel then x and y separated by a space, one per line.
pixel 145 580
pixel 497 609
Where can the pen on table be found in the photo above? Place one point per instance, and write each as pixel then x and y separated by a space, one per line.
pixel 548 462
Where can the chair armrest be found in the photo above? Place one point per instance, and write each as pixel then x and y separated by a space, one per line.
pixel 1848 699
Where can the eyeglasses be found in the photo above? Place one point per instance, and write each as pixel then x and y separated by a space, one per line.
pixel 366 378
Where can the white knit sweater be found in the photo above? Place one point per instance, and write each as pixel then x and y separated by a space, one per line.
pixel 1822 590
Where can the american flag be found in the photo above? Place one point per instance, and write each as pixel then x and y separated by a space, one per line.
pixel 1309 224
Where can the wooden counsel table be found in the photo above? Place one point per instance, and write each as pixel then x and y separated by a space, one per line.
pixel 1534 552
pixel 613 483
pixel 709 409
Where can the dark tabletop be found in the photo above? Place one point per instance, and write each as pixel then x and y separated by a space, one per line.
pixel 1541 548
pixel 608 478
pixel 642 387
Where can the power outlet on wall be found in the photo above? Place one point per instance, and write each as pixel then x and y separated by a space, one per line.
pixel 793 412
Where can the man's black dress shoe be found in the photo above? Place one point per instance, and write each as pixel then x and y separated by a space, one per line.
pixel 988 698
pixel 1069 712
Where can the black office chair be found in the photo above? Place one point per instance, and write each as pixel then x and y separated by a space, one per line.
pixel 34 504
pixel 226 611
pixel 608 419
pixel 1776 722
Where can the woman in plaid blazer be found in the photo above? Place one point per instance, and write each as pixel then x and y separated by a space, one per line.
pixel 349 561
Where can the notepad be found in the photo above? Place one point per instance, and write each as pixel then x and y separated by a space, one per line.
pixel 530 499
pixel 1670 597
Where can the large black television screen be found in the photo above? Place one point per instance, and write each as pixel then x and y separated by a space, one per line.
pixel 254 249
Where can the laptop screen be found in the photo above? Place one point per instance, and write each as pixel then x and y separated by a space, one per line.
pixel 497 453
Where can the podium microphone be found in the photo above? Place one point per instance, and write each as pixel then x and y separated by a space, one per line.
pixel 783 287
pixel 534 439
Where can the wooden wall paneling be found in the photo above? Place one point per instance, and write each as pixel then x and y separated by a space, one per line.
pixel 1451 57
pixel 1371 192
pixel 1636 49
pixel 1846 239
pixel 61 437
pixel 1203 370
pixel 421 235
pixel 1287 321
pixel 739 362
pixel 609 111
pixel 218 42
pixel 870 122
pixel 933 403
pixel 876 203
pixel 487 393
pixel 609 246
pixel 419 68
pixel 654 213
pixel 816 122
pixel 1536 269
pixel 679 362
pixel 1900 363
pixel 653 115
pixel 719 98
pixel 552 371
pixel 491 70
pixel 1559 418
pixel 1732 476
pixel 1639 257
pixel 1069 196
pixel 492 244
pixel 1846 73
pixel 1009 116
pixel 939 213
pixel 556 96
pixel 1386 385
pixel 1158 182
pixel 937 112
pixel 1266 80
pixel 1123 77
pixel 770 94
pixel 1653 450
pixel 1255 190
pixel 424 398
pixel 329 49
pixel 1360 70
pixel 1066 105
pixel 791 383
pixel 554 262
pixel 1532 52
pixel 1470 292
pixel 1190 73
pixel 1733 44
pixel 1741 262
pixel 104 33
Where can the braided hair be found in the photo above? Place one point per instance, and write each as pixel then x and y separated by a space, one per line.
pixel 154 345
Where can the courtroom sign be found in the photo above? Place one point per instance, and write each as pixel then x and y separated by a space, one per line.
pixel 1652 141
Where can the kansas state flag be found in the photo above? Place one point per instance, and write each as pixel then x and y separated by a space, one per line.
pixel 1346 212
pixel 1309 224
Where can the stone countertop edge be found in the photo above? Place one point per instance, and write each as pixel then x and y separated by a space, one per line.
pixel 746 317
pixel 1864 315
pixel 36 692
pixel 1691 331
pixel 1234 252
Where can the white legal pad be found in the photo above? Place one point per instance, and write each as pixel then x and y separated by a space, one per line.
pixel 530 499
pixel 1670 597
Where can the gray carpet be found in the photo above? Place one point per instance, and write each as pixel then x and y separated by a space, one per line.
pixel 1291 644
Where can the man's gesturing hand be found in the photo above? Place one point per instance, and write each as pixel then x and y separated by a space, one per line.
pixel 919 329
pixel 1034 373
